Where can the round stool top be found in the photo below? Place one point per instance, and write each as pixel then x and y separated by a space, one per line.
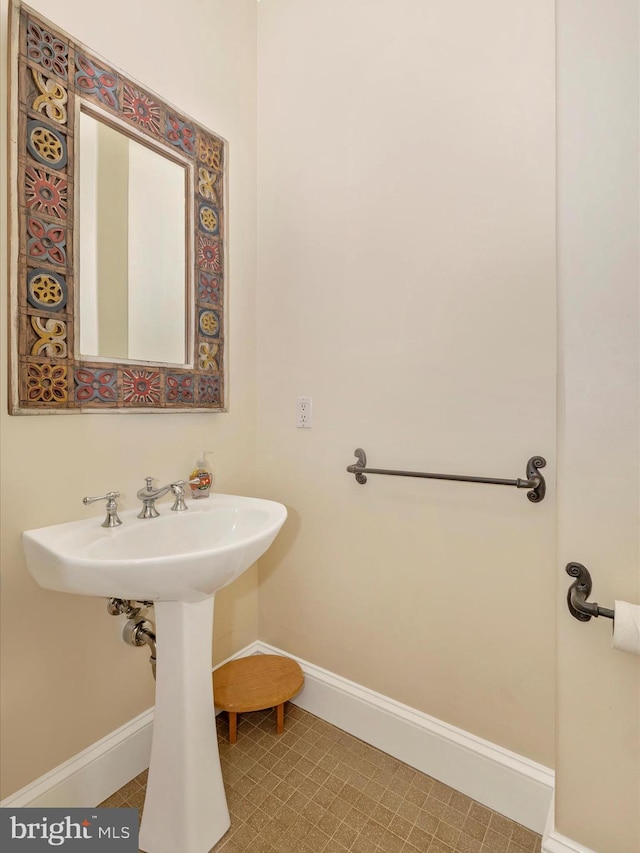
pixel 256 682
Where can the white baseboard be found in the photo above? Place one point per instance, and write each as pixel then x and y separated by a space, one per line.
pixel 95 773
pixel 509 783
pixel 556 843
pixel 502 780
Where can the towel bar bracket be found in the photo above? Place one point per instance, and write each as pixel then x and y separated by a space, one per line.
pixel 534 481
pixel 578 593
pixel 361 456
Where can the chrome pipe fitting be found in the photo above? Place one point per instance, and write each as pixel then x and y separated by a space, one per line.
pixel 138 631
pixel 141 633
pixel 125 607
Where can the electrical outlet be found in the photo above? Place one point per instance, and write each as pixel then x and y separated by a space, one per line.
pixel 303 412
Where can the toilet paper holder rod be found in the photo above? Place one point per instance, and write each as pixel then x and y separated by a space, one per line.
pixel 578 593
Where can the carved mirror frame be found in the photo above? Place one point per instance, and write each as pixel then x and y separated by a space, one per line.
pixel 52 75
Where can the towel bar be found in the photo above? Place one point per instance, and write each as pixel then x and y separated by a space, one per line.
pixel 535 481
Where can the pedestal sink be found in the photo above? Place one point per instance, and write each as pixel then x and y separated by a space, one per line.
pixel 178 561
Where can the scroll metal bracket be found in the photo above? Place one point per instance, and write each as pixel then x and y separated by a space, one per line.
pixel 579 592
pixel 533 474
pixel 361 456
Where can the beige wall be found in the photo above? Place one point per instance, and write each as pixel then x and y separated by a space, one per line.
pixel 598 712
pixel 67 678
pixel 407 283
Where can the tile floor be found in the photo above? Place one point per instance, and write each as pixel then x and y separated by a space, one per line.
pixel 315 789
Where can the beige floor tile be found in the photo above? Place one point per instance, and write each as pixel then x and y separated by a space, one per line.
pixel 316 789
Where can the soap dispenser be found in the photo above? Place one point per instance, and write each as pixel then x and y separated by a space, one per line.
pixel 201 478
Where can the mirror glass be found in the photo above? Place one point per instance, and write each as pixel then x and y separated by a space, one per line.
pixel 132 232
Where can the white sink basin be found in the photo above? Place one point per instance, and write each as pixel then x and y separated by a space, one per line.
pixel 180 556
pixel 178 561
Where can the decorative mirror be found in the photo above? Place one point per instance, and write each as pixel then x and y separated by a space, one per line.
pixel 117 238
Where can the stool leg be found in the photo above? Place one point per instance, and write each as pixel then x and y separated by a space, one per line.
pixel 280 718
pixel 233 726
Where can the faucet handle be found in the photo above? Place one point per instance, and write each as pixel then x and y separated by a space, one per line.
pixel 112 519
pixel 177 490
pixel 110 496
pixel 149 482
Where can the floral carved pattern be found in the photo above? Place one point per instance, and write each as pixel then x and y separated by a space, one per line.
pixel 47 242
pixel 140 109
pixel 46 383
pixel 46 145
pixel 209 219
pixel 180 133
pixel 47 50
pixel 208 288
pixel 141 387
pixel 97 385
pixel 209 254
pixel 208 323
pixel 208 389
pixel 45 193
pixel 210 152
pixel 179 388
pixel 93 80
pixel 46 290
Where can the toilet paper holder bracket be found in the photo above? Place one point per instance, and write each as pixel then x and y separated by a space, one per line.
pixel 579 592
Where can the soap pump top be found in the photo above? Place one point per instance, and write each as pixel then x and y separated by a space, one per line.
pixel 201 478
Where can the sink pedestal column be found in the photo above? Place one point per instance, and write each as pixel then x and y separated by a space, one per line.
pixel 185 808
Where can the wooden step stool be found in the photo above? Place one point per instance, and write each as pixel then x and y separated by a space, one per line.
pixel 254 683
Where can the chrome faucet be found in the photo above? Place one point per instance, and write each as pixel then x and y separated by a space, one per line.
pixel 112 519
pixel 149 495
